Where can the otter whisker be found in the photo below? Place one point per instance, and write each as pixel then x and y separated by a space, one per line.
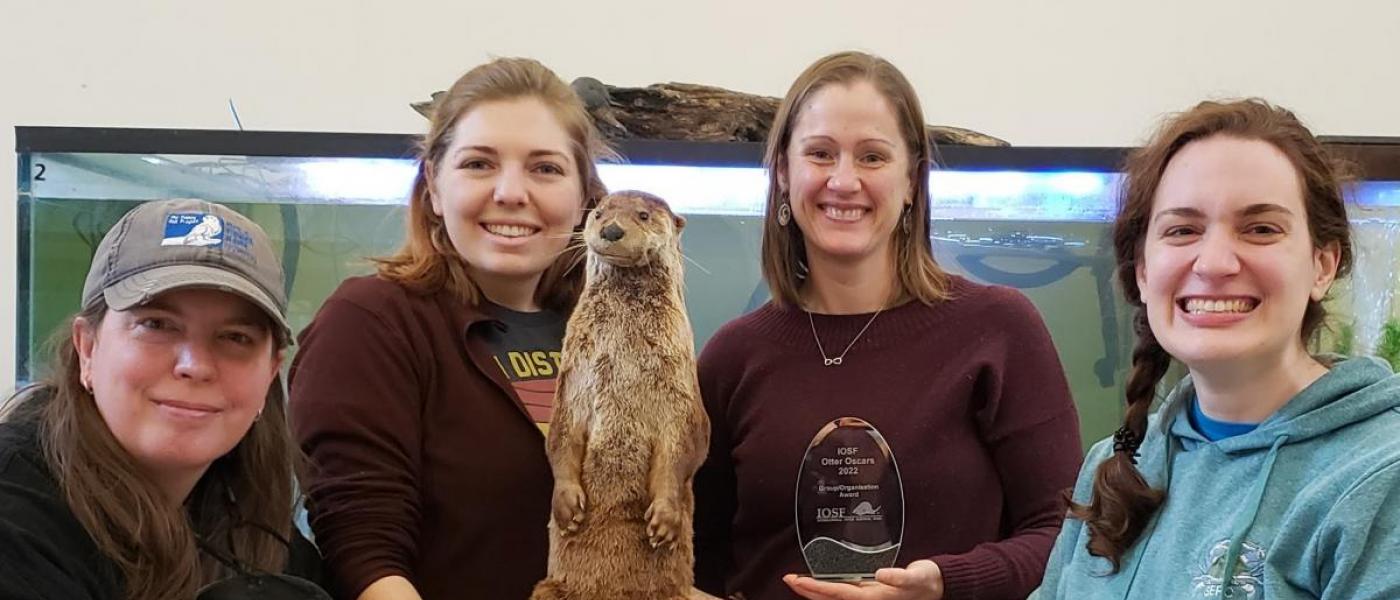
pixel 575 260
pixel 697 265
pixel 570 248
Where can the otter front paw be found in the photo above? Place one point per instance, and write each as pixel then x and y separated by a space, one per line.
pixel 568 507
pixel 663 523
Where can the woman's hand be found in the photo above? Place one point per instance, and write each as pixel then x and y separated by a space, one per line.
pixel 921 580
pixel 393 587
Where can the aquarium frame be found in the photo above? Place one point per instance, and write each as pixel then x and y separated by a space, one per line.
pixel 1377 157
pixel 22 285
pixel 115 140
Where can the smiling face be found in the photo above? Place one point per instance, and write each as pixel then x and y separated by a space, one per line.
pixel 1228 264
pixel 508 192
pixel 846 173
pixel 180 379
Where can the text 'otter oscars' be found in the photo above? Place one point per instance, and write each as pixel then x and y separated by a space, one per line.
pixel 850 502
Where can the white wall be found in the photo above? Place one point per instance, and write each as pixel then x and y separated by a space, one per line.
pixel 1064 72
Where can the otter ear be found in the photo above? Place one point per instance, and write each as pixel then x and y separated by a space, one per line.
pixel 680 223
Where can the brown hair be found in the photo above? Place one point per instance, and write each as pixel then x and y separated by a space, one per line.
pixel 784 250
pixel 427 261
pixel 244 498
pixel 1122 501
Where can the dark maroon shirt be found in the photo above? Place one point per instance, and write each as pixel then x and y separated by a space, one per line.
pixel 425 463
pixel 970 395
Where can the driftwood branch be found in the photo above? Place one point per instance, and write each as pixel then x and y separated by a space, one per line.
pixel 686 111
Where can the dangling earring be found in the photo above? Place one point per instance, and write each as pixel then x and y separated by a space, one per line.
pixel 257 417
pixel 784 212
pixel 906 223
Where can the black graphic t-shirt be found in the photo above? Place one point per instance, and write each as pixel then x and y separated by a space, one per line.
pixel 526 347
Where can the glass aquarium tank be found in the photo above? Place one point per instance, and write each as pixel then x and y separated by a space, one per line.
pixel 1036 219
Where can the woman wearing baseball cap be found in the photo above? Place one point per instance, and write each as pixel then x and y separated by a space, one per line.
pixel 154 462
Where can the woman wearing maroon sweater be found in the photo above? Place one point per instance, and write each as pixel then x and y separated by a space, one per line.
pixel 961 379
pixel 420 392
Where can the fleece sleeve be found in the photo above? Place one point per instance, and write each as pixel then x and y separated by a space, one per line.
pixel 356 407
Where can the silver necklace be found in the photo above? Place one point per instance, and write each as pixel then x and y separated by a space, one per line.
pixel 836 362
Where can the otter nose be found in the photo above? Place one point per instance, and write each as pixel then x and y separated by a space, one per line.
pixel 612 233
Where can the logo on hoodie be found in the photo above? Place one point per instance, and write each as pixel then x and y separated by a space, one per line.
pixel 1246 580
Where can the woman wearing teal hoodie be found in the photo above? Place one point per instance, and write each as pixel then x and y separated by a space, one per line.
pixel 1268 473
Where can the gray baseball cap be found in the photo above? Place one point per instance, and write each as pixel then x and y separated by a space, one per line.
pixel 165 245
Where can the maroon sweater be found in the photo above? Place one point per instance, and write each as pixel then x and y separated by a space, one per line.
pixel 425 464
pixel 971 397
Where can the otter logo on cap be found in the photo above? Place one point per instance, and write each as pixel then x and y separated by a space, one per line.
pixel 193 229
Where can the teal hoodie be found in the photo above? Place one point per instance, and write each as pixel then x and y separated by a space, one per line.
pixel 1307 504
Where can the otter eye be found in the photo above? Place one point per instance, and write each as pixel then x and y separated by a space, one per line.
pixel 643 215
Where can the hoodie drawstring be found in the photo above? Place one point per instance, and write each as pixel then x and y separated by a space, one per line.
pixel 1256 499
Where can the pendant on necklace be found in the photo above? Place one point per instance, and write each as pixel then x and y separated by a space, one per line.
pixel 833 361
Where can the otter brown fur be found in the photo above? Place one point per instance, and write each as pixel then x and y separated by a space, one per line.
pixel 629 430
